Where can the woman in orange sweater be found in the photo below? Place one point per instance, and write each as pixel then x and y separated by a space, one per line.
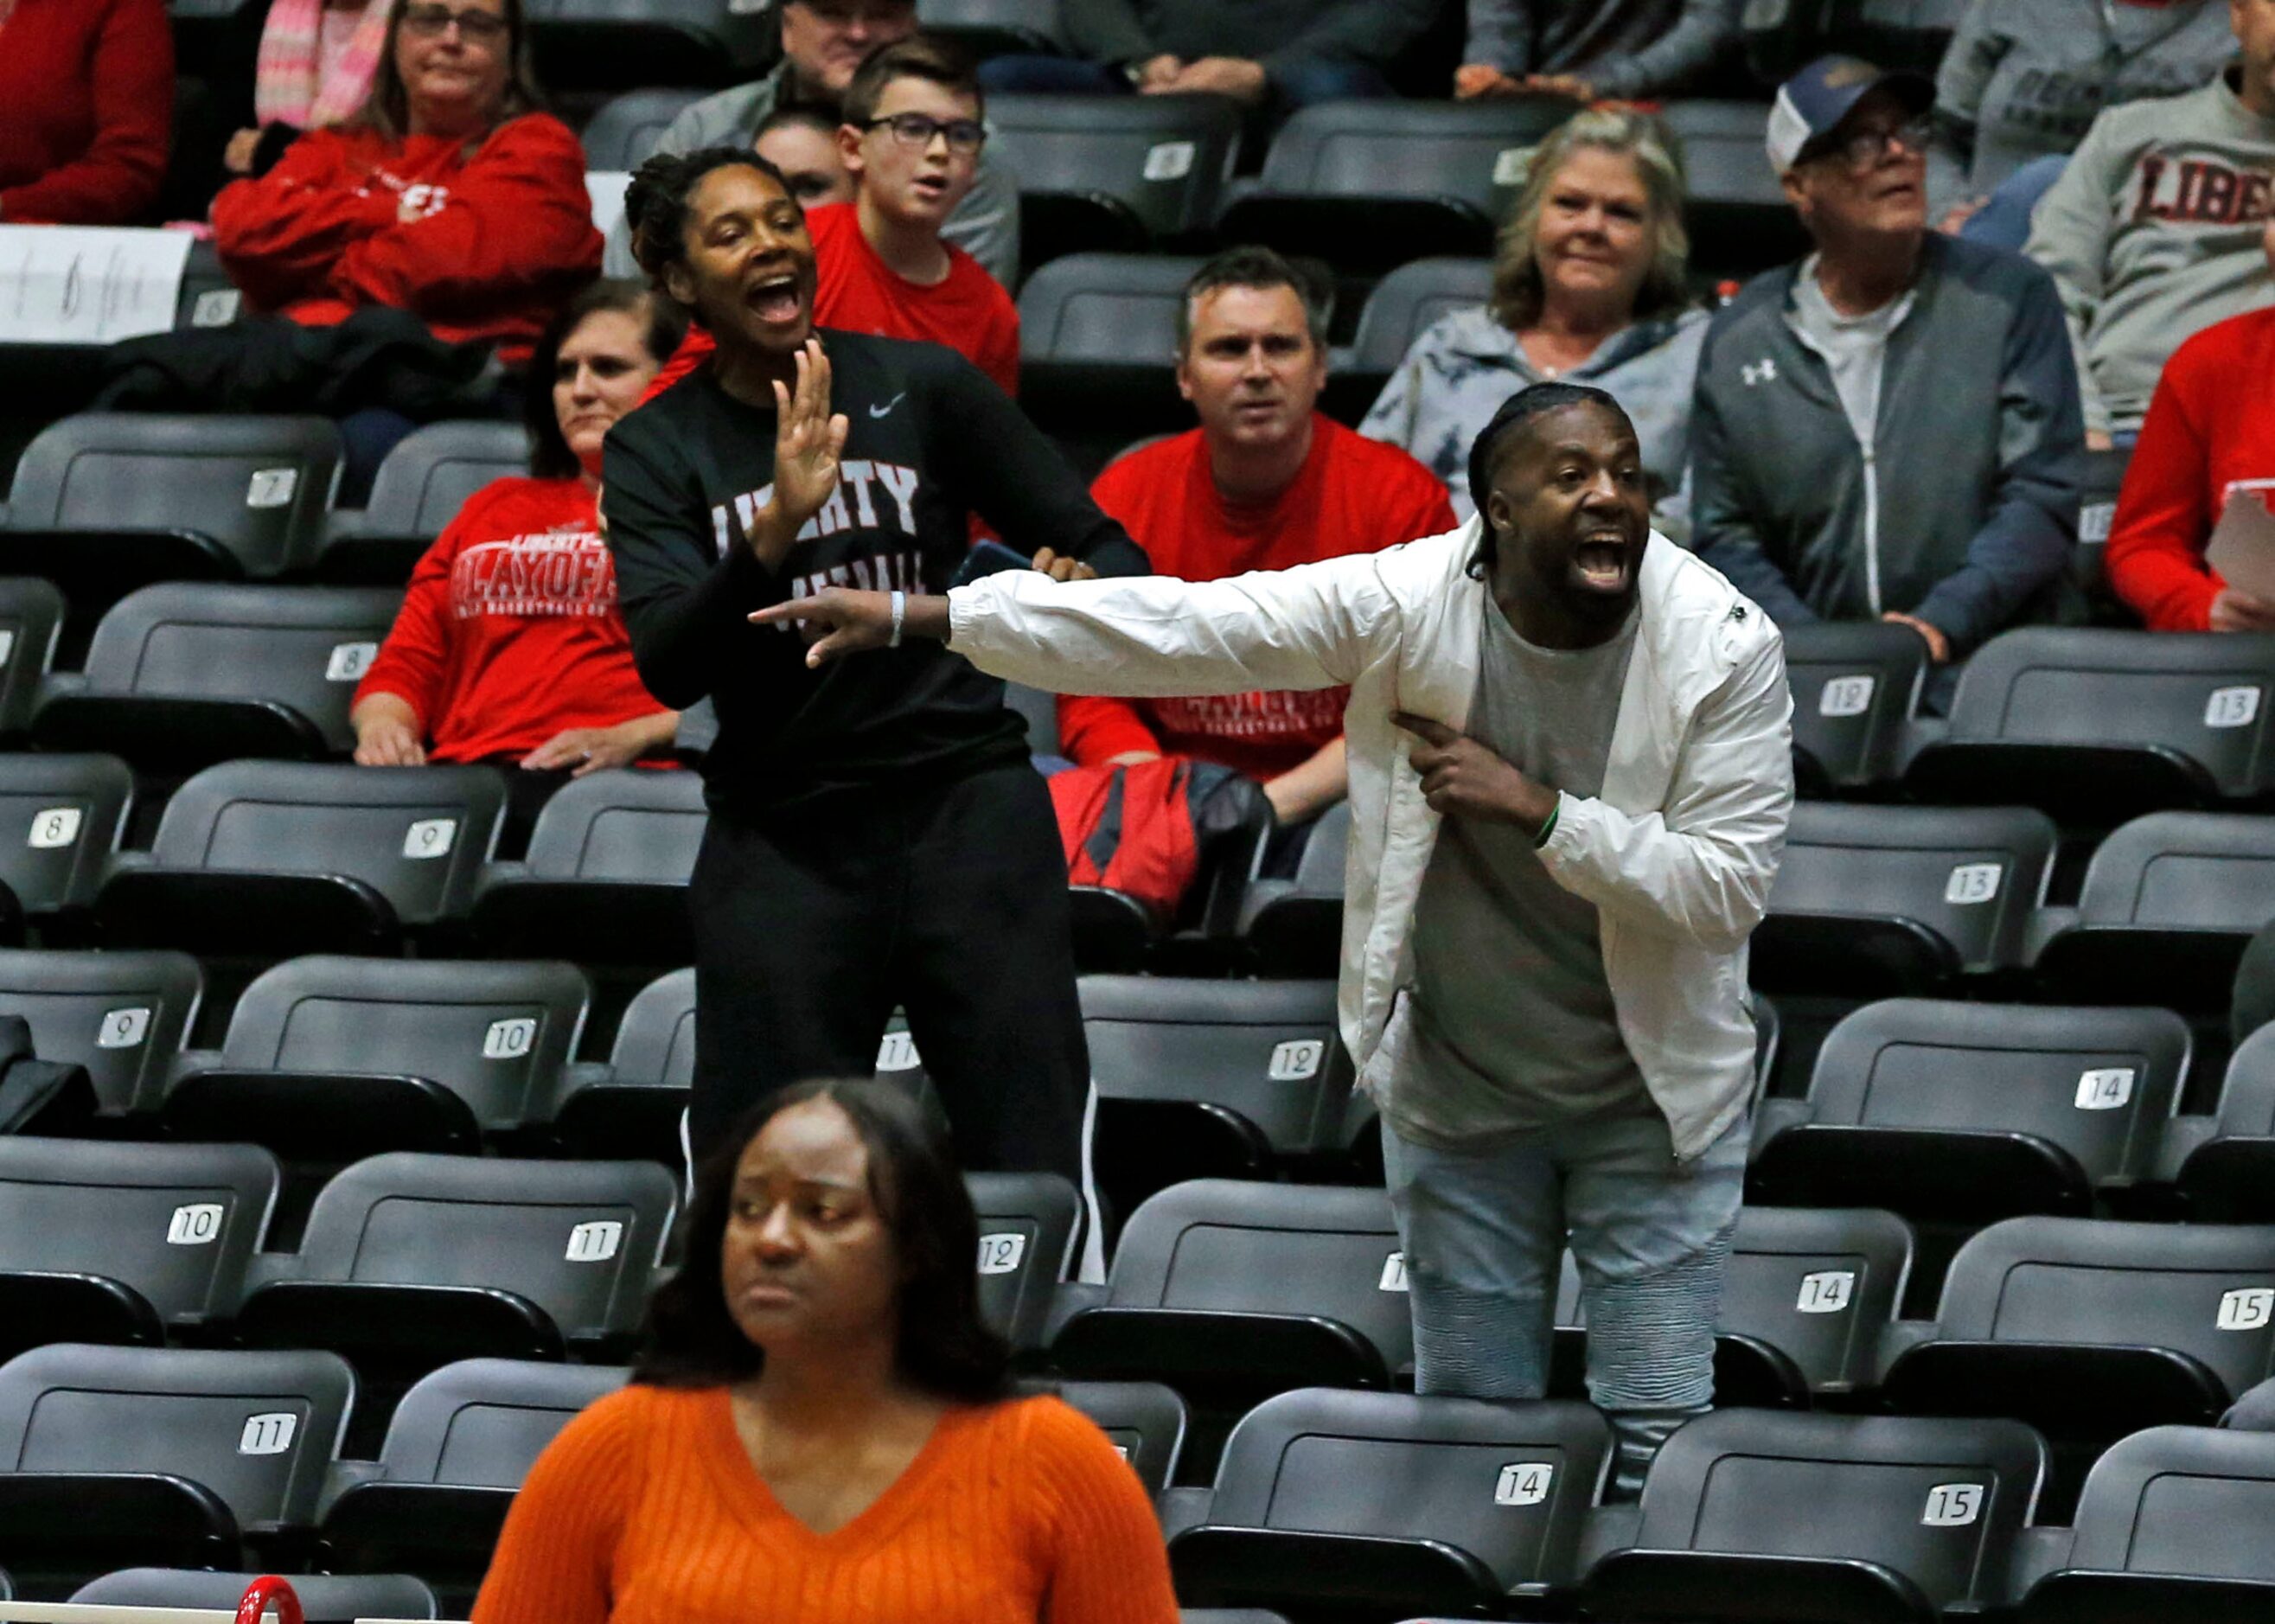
pixel 819 1430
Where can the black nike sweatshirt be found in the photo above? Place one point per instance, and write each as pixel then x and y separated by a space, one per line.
pixel 931 440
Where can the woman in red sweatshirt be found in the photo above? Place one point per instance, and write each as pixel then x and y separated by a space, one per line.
pixel 448 195
pixel 2209 434
pixel 509 647
pixel 87 96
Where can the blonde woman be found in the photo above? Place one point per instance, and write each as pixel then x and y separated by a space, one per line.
pixel 1588 287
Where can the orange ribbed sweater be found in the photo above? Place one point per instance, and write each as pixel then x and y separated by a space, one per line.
pixel 647 1510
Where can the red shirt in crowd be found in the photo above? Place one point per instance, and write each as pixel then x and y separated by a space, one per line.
pixel 859 293
pixel 1353 496
pixel 86 101
pixel 2208 430
pixel 499 239
pixel 510 631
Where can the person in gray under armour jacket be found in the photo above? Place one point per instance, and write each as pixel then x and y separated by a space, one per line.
pixel 1889 430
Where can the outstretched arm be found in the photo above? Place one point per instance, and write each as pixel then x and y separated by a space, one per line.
pixel 1314 626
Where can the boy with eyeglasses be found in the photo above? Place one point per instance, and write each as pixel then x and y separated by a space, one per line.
pixel 823 43
pixel 1890 429
pixel 910 140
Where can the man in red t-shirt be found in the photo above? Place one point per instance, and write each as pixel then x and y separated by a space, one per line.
pixel 1266 482
pixel 911 140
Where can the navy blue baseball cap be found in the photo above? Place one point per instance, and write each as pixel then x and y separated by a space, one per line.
pixel 1811 104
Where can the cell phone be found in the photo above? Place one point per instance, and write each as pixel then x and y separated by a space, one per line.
pixel 987 558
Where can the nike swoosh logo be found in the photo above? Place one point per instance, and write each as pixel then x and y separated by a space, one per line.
pixel 886 410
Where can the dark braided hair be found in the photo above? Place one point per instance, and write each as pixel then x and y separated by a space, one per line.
pixel 1520 409
pixel 656 203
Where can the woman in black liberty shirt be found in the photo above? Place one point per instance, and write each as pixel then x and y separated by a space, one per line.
pixel 877 836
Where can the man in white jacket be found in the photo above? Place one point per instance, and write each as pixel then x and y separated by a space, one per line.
pixel 1570 779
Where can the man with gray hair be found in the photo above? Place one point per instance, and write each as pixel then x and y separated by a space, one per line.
pixel 1570 776
pixel 1888 430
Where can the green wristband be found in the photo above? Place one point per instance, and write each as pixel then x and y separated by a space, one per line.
pixel 1549 828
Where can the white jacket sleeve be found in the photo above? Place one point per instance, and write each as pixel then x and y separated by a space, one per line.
pixel 1701 869
pixel 1153 637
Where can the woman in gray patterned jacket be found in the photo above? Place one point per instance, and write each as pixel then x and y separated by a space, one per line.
pixel 1588 287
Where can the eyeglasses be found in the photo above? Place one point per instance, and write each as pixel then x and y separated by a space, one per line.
pixel 964 135
pixel 475 26
pixel 1867 147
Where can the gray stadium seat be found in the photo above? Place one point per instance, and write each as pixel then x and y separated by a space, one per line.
pixel 605 875
pixel 31 622
pixel 1109 173
pixel 1294 927
pixel 607 44
pixel 2255 1411
pixel 1808 1296
pixel 107 502
pixel 1098 345
pixel 1089 311
pixel 459 1445
pixel 2168 907
pixel 1855 684
pixel 2171 1525
pixel 632 1105
pixel 1230 1291
pixel 1872 901
pixel 323 1598
pixel 2226 1167
pixel 623 133
pixel 176 1457
pixel 1144 1420
pixel 1963 1113
pixel 2090 1329
pixel 1736 210
pixel 1398 310
pixel 2097 725
pixel 103 1242
pixel 987 28
pixel 1408 301
pixel 185 675
pixel 1203 1078
pixel 331 1059
pixel 122 1016
pixel 1750 1513
pixel 419 487
pixel 410 1261
pixel 61 819
pixel 1819 1286
pixel 2168 904
pixel 1370 185
pixel 279 858
pixel 1039 711
pixel 1030 1234
pixel 1392 1502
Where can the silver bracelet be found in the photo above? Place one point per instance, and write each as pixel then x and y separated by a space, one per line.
pixel 900 612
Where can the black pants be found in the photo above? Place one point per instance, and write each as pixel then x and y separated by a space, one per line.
pixel 950 901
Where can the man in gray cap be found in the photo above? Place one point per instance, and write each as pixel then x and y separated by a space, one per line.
pixel 1888 430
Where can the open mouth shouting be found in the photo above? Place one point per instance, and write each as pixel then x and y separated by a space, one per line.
pixel 1603 559
pixel 776 299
